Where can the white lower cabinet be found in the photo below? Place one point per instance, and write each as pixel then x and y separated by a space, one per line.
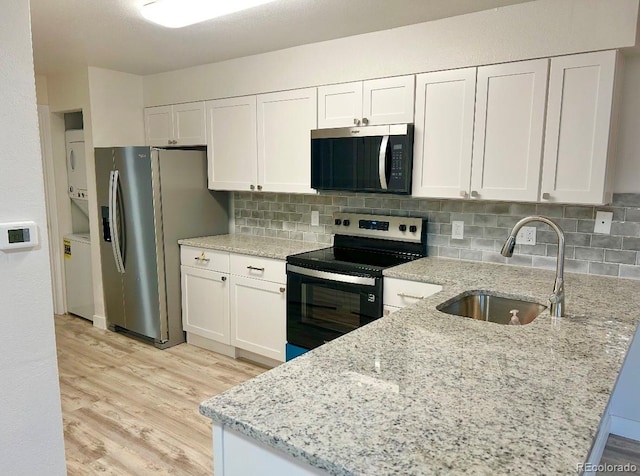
pixel 399 293
pixel 205 303
pixel 258 316
pixel 235 300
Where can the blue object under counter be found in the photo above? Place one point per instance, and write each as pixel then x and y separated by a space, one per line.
pixel 293 351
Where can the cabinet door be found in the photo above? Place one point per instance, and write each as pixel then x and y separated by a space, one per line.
pixel 579 115
pixel 507 150
pixel 285 121
pixel 388 100
pixel 205 303
pixel 189 124
pixel 340 105
pixel 258 316
pixel 445 103
pixel 232 147
pixel 158 125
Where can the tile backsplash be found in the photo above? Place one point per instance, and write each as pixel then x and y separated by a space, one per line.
pixel 486 226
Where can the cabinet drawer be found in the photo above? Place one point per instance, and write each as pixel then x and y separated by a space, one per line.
pixel 204 258
pixel 401 293
pixel 256 267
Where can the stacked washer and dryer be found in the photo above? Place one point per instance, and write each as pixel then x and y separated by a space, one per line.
pixel 77 245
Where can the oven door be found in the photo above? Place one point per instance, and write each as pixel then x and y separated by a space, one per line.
pixel 323 305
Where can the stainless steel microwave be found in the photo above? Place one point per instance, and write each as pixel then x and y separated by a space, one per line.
pixel 375 159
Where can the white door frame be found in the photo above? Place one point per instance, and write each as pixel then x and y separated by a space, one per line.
pixel 57 271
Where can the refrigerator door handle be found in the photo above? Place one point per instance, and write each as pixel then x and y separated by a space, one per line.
pixel 113 220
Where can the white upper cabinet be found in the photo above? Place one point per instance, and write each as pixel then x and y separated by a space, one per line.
pixel 285 120
pixel 189 124
pixel 340 105
pixel 579 119
pixel 177 125
pixel 158 125
pixel 388 100
pixel 232 146
pixel 373 102
pixel 443 140
pixel 508 134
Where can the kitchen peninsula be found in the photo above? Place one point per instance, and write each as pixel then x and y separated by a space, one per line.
pixel 423 392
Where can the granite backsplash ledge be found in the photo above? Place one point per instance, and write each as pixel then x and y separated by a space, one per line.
pixel 486 226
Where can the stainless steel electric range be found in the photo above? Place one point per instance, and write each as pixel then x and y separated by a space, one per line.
pixel 335 290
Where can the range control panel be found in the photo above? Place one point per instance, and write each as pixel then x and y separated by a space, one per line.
pixel 379 226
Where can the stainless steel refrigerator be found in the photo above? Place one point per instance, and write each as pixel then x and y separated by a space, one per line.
pixel 148 199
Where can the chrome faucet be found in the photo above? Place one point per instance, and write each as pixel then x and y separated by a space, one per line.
pixel 557 298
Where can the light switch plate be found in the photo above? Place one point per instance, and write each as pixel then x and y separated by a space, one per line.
pixel 315 218
pixel 603 223
pixel 457 230
pixel 526 236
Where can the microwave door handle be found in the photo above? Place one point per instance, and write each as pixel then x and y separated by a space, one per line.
pixel 382 162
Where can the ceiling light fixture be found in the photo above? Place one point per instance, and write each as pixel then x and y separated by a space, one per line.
pixel 179 13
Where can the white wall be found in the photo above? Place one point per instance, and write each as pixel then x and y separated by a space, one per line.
pixel 528 30
pixel 42 94
pixel 117 117
pixel 31 440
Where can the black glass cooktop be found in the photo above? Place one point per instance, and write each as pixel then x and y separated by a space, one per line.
pixel 350 260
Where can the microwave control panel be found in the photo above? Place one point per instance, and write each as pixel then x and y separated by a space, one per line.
pixel 399 177
pixel 396 162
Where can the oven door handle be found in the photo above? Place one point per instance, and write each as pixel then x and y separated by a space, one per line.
pixel 342 278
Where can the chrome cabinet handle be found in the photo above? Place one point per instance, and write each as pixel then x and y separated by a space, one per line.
pixel 356 121
pixel 259 187
pixel 252 187
pixel 224 278
pixel 546 196
pixel 202 258
pixel 169 142
pixel 403 295
pixel 463 193
pixel 365 121
pixel 474 194
pixel 282 290
pixel 255 269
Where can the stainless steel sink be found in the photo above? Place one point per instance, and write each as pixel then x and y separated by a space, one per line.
pixel 485 306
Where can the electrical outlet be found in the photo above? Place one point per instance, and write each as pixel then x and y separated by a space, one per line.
pixel 457 230
pixel 315 218
pixel 526 236
pixel 603 223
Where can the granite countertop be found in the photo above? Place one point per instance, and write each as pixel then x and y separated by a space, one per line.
pixel 423 392
pixel 276 248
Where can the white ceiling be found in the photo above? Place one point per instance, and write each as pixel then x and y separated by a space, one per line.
pixel 112 34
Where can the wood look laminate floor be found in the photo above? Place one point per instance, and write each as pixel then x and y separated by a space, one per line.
pixel 131 409
pixel 620 452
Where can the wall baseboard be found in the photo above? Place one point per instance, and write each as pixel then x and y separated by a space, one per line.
pixel 99 321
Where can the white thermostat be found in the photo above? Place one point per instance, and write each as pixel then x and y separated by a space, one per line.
pixel 23 234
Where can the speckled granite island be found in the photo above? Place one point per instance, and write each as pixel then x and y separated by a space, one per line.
pixel 423 392
pixel 263 246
